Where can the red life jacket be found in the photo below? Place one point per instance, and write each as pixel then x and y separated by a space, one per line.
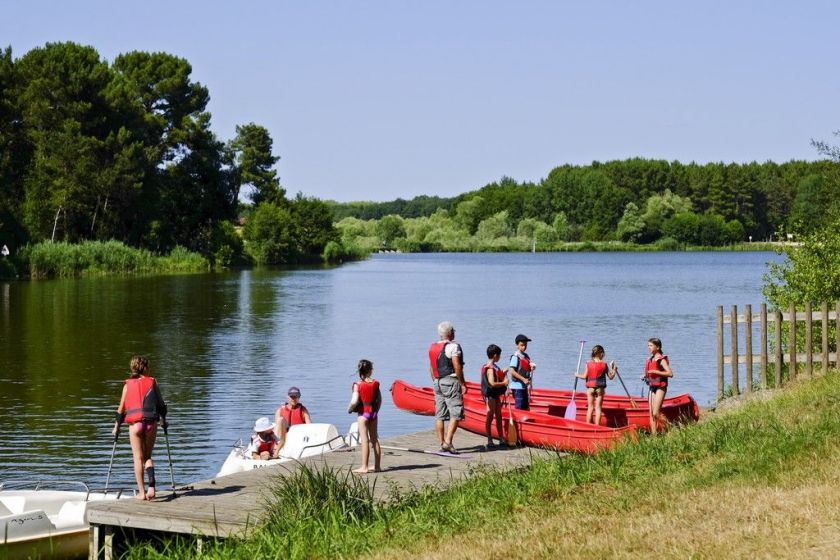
pixel 266 445
pixel 441 365
pixel 141 400
pixel 524 367
pixel 596 374
pixel 293 416
pixel 368 393
pixel 656 381
pixel 498 377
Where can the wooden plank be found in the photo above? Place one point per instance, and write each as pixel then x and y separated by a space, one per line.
pixel 800 316
pixel 762 361
pixel 778 349
pixel 235 504
pixel 824 332
pixel 792 344
pixel 734 350
pixel 809 335
pixel 720 351
pixel 748 364
pixel 800 358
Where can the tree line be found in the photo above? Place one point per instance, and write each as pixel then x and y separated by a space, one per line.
pixel 635 200
pixel 98 151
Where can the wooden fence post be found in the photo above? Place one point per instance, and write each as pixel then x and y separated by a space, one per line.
pixel 792 343
pixel 734 353
pixel 763 360
pixel 748 364
pixel 720 352
pixel 778 349
pixel 809 334
pixel 824 341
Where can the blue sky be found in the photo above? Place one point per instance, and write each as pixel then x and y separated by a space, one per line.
pixel 377 100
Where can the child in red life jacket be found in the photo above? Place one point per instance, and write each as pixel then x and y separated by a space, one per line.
pixel 656 375
pixel 264 443
pixel 141 407
pixel 494 383
pixel 366 401
pixel 596 375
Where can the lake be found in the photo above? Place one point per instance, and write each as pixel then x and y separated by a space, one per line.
pixel 225 347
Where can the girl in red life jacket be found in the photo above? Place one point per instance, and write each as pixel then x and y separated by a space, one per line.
pixel 141 406
pixel 366 401
pixel 494 383
pixel 596 375
pixel 656 375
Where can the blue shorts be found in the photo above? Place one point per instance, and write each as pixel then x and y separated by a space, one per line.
pixel 520 399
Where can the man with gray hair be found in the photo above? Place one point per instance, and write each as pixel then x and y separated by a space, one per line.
pixel 446 365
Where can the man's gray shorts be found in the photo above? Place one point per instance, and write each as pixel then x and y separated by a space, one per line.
pixel 449 402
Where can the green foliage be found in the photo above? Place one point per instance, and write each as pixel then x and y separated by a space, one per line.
pixel 495 227
pixel 561 225
pixel 270 235
pixel 390 229
pixel 90 258
pixel 252 149
pixel 631 226
pixel 811 272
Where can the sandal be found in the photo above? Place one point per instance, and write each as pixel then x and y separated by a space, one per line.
pixel 451 450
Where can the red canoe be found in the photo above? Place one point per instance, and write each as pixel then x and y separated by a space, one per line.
pixel 532 428
pixel 617 411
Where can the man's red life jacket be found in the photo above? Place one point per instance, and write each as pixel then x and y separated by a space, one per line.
pixel 141 400
pixel 440 364
pixel 293 416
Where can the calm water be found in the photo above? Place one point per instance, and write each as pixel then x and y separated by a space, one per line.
pixel 225 347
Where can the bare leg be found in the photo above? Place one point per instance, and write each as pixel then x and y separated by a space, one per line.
pixel 499 420
pixel 148 446
pixel 373 435
pixel 590 405
pixel 439 430
pixel 488 421
pixel 280 430
pixel 599 401
pixel 656 409
pixel 450 433
pixel 364 440
pixel 135 436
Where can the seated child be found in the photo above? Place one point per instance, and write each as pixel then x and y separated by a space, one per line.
pixel 264 443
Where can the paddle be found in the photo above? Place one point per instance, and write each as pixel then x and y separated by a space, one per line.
pixel 511 433
pixel 571 409
pixel 632 402
pixel 426 451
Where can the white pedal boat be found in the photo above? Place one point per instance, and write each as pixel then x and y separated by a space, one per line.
pixel 46 518
pixel 302 440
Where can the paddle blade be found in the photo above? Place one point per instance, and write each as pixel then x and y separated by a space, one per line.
pixel 571 411
pixel 511 432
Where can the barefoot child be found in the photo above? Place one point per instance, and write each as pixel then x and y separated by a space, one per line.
pixel 141 406
pixel 264 443
pixel 494 383
pixel 366 401
pixel 656 375
pixel 596 383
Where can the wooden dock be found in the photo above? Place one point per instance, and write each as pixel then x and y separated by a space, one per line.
pixel 231 506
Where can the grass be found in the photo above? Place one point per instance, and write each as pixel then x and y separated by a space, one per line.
pixel 758 481
pixel 95 258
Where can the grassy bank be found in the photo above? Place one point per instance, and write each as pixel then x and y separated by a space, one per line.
pixel 93 258
pixel 760 481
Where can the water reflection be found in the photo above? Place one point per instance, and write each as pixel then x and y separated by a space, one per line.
pixel 225 347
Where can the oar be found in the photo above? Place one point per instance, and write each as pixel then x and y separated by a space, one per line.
pixel 426 451
pixel 571 409
pixel 511 433
pixel 111 462
pixel 632 402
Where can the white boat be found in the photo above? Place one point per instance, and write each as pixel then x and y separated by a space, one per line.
pixel 46 518
pixel 302 440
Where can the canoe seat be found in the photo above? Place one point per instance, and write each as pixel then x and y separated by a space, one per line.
pixel 71 514
pixel 12 504
pixel 23 525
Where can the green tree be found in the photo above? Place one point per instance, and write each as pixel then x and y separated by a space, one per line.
pixel 270 235
pixel 470 212
pixel 252 149
pixel 494 227
pixel 389 229
pixel 561 225
pixel 631 226
pixel 313 226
